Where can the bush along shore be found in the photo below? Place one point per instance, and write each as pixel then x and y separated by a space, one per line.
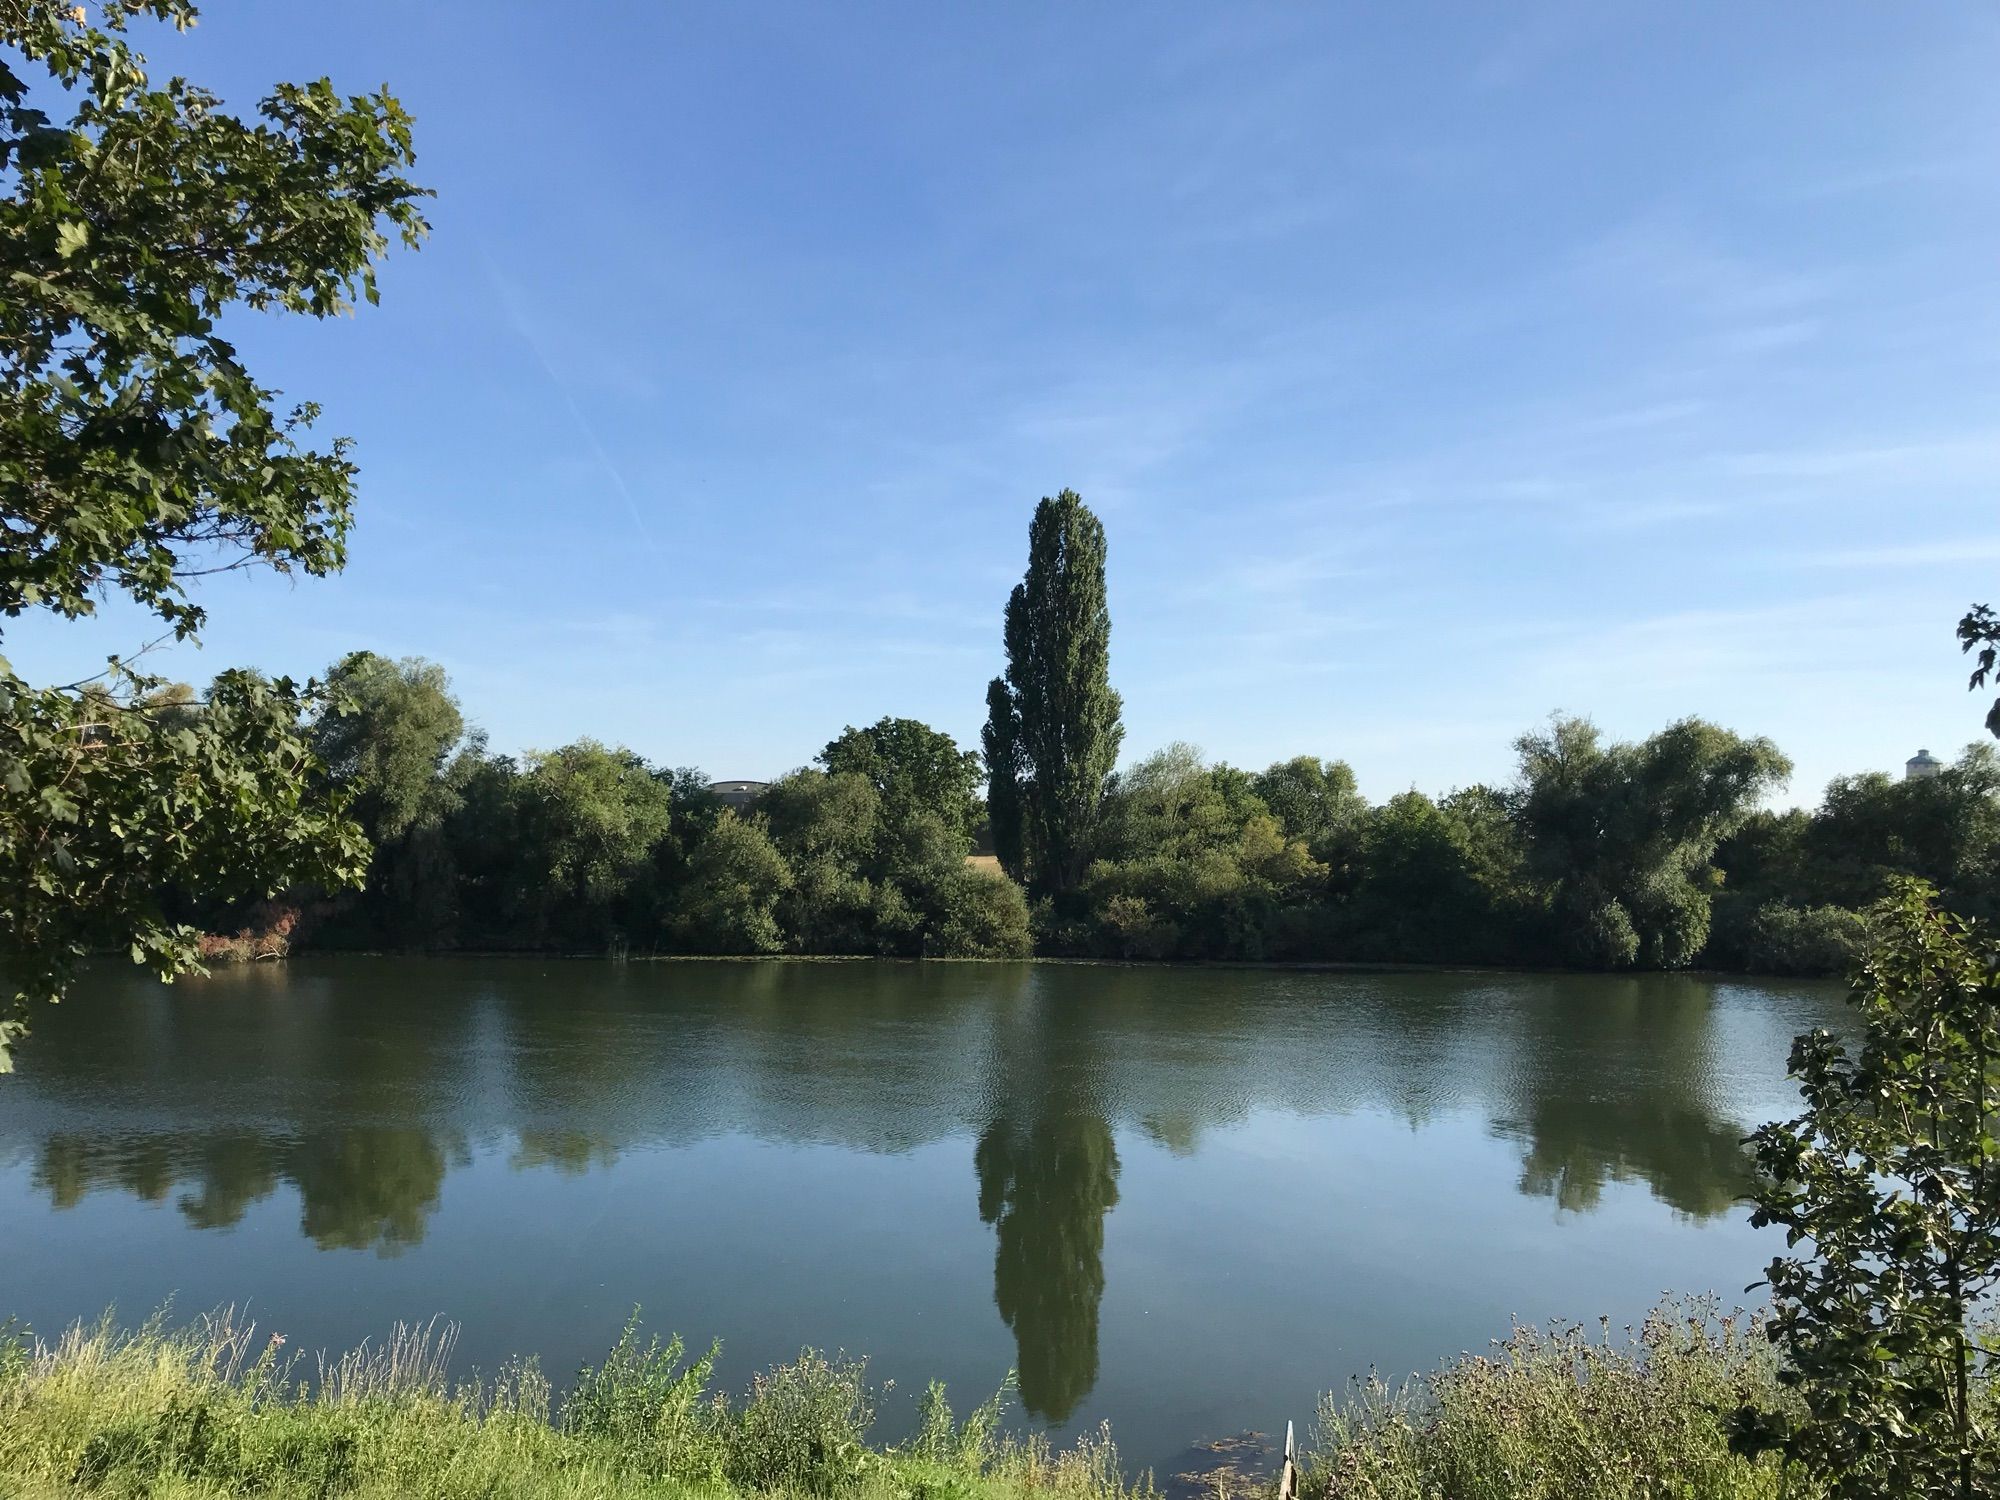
pixel 1571 1413
pixel 215 1408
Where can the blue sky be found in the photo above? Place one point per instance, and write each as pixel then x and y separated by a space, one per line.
pixel 1432 367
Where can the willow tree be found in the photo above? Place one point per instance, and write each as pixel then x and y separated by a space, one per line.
pixel 1053 728
pixel 1623 835
pixel 137 450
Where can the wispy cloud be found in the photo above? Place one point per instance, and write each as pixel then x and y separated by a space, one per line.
pixel 1950 461
pixel 1541 34
pixel 524 328
pixel 1906 554
pixel 1865 179
pixel 1665 253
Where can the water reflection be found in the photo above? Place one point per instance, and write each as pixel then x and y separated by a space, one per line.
pixel 1692 1163
pixel 363 1086
pixel 1619 1083
pixel 369 1188
pixel 1048 1174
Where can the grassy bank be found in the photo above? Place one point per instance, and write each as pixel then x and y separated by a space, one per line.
pixel 216 1409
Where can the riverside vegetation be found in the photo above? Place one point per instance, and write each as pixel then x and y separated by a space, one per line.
pixel 1599 855
pixel 212 1410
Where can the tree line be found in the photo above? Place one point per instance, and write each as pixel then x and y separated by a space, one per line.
pixel 1597 854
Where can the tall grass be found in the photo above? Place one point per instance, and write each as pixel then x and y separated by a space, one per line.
pixel 1563 1415
pixel 212 1410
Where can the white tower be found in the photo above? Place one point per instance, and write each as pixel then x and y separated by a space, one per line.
pixel 1921 766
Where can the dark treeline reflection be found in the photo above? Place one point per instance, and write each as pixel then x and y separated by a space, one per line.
pixel 369 1188
pixel 360 1085
pixel 1624 1076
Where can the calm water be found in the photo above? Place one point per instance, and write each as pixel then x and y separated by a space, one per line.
pixel 1181 1200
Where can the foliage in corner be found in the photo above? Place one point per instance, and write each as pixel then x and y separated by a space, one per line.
pixel 1889 1180
pixel 109 802
pixel 1979 632
pixel 138 452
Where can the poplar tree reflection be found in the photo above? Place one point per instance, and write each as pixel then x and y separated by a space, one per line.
pixel 1048 1174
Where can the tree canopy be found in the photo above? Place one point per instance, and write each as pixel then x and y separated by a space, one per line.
pixel 384 736
pixel 1624 833
pixel 136 448
pixel 914 770
pixel 138 452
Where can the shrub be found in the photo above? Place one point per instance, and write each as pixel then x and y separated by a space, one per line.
pixel 1787 939
pixel 1885 1187
pixel 649 1405
pixel 978 914
pixel 804 1429
pixel 1561 1415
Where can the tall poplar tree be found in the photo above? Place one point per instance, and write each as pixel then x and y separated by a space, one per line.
pixel 1053 728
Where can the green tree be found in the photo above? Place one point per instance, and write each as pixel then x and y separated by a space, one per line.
pixel 1943 828
pixel 828 828
pixel 590 818
pixel 1888 1176
pixel 1053 728
pixel 1312 799
pixel 1623 834
pixel 384 739
pixel 107 816
pixel 1196 867
pixel 736 877
pixel 137 451
pixel 384 736
pixel 1496 853
pixel 483 842
pixel 1979 633
pixel 866 882
pixel 1174 803
pixel 1006 766
pixel 1763 862
pixel 972 913
pixel 914 770
pixel 1419 897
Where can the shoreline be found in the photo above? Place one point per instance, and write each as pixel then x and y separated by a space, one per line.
pixel 211 1407
pixel 1281 966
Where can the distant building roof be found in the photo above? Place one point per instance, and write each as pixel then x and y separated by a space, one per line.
pixel 1920 765
pixel 737 793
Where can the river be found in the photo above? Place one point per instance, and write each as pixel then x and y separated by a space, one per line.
pixel 1181 1200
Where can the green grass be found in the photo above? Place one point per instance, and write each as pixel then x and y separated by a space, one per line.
pixel 213 1410
pixel 1563 1415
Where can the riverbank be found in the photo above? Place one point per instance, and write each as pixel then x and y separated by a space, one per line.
pixel 220 1408
pixel 223 1408
pixel 1037 960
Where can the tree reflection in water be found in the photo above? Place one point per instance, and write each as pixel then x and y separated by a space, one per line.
pixel 1048 1174
pixel 372 1187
